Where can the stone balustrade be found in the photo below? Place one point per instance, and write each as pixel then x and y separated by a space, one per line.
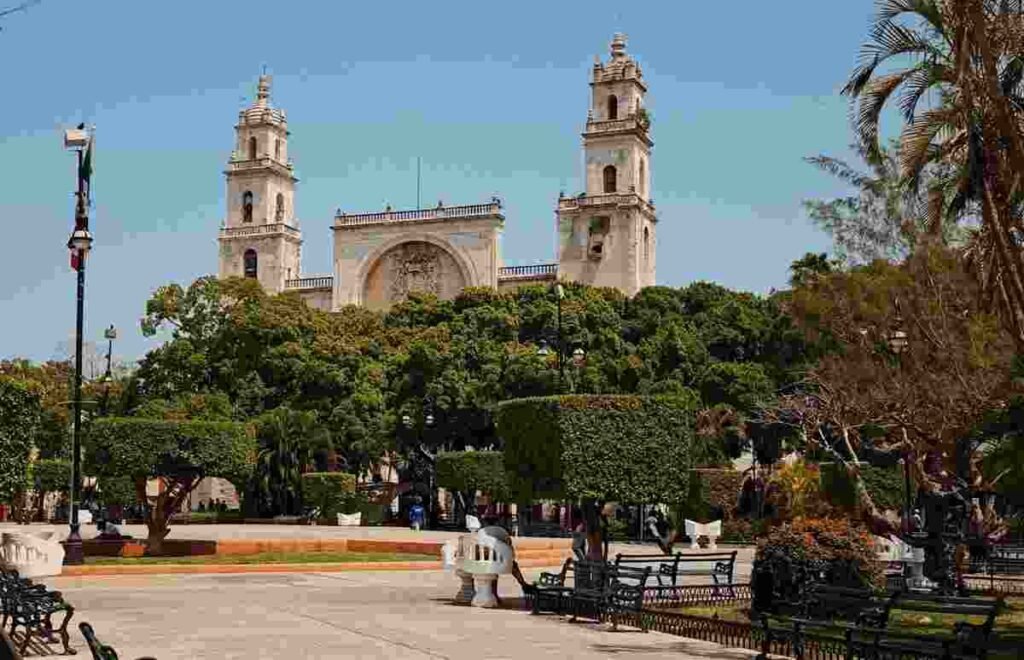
pixel 312 282
pixel 419 215
pixel 537 271
pixel 257 230
pixel 610 199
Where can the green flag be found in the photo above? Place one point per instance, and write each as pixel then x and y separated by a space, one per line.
pixel 86 170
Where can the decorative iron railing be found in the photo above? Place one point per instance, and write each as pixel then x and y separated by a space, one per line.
pixel 255 230
pixel 696 594
pixel 439 213
pixel 527 272
pixel 316 282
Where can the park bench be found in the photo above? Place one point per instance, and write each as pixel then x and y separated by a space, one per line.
pixel 601 589
pixel 31 607
pixel 862 618
pixel 720 566
pixel 549 593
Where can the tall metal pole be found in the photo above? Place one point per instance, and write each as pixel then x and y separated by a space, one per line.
pixel 561 369
pixel 73 546
pixel 110 334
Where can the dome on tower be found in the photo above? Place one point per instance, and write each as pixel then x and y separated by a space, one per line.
pixel 261 112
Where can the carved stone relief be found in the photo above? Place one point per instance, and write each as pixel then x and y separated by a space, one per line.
pixel 413 266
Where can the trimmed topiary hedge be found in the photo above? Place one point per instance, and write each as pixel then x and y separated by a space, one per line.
pixel 603 447
pixel 471 471
pixel 154 448
pixel 331 492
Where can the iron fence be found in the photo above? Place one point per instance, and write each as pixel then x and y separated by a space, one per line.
pixel 667 597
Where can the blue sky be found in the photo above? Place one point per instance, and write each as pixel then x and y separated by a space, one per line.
pixel 492 96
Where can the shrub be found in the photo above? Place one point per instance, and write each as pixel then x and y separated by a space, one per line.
pixel 471 471
pixel 808 551
pixel 618 530
pixel 795 490
pixel 621 448
pixel 742 531
pixel 331 492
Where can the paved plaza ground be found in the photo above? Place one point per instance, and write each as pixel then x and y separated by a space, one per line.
pixel 339 615
pixel 357 614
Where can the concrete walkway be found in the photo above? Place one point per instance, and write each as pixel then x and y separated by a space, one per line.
pixel 341 615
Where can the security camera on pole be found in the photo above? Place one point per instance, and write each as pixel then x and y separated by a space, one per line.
pixel 80 140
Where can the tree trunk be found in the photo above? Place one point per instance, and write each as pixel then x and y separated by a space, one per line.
pixel 168 502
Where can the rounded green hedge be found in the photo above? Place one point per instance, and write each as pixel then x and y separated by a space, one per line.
pixel 136 447
pixel 471 471
pixel 606 447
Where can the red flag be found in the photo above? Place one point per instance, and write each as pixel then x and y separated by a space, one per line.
pixel 74 260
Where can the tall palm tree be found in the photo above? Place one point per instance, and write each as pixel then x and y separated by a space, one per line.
pixel 955 69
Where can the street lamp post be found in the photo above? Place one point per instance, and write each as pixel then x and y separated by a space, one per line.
pixel 898 343
pixel 110 334
pixel 79 244
pixel 428 422
pixel 559 294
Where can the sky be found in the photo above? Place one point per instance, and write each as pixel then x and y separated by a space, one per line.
pixel 491 96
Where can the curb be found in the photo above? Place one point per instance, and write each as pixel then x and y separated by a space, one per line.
pixel 178 569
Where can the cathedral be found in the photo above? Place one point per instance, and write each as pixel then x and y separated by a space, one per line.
pixel 606 234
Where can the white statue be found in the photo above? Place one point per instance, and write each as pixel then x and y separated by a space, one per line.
pixel 32 555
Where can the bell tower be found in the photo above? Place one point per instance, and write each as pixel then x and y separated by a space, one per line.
pixel 260 236
pixel 607 233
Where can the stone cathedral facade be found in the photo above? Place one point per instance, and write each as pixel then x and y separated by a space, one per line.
pixel 606 233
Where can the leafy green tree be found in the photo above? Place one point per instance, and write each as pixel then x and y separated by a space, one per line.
pixel 290 441
pixel 178 453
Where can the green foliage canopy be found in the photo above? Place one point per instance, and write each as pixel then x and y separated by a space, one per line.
pixel 145 448
pixel 20 421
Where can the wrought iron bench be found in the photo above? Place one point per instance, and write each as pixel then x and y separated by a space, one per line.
pixel 862 618
pixel 549 593
pixel 672 567
pixel 603 590
pixel 31 607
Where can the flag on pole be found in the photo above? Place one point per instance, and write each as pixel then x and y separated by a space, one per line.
pixel 86 170
pixel 74 260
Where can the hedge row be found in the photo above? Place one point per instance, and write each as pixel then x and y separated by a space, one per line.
pixel 621 448
pixel 471 471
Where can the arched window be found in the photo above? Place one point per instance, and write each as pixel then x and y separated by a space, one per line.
pixel 613 107
pixel 252 148
pixel 247 206
pixel 249 263
pixel 277 149
pixel 279 208
pixel 609 179
pixel 647 244
pixel 643 181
